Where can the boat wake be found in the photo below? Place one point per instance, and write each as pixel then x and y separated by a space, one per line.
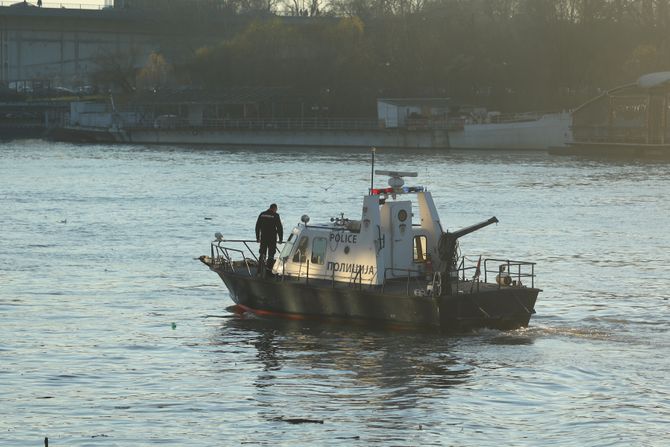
pixel 571 332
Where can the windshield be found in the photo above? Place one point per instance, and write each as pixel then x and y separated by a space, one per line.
pixel 288 246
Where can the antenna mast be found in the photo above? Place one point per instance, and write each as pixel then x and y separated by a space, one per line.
pixel 372 173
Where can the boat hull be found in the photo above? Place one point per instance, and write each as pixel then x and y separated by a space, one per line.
pixel 552 130
pixel 504 308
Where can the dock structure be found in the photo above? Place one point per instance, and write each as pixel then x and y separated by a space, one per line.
pixel 629 120
pixel 240 116
pixel 31 119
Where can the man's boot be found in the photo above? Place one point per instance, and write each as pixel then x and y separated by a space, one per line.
pixel 269 265
pixel 261 262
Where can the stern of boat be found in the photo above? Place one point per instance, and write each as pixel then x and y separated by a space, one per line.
pixel 501 295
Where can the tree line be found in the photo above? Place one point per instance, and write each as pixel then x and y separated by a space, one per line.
pixel 509 55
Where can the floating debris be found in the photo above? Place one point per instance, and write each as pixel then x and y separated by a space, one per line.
pixel 299 420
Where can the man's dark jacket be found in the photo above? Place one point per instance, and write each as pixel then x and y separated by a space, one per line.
pixel 268 227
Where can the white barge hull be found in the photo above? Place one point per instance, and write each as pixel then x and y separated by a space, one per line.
pixel 548 131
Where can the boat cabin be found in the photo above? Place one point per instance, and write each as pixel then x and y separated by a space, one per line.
pixel 396 236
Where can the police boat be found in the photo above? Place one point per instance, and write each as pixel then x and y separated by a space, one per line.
pixel 394 266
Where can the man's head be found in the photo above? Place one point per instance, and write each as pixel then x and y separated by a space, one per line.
pixel 273 207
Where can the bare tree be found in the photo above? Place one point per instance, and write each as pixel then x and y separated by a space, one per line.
pixel 306 8
pixel 117 69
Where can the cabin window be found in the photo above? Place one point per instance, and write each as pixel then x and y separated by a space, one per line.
pixel 319 250
pixel 420 245
pixel 301 252
pixel 286 249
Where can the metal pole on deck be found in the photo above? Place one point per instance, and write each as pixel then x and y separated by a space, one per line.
pixel 372 172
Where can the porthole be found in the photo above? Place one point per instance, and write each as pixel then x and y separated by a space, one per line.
pixel 402 215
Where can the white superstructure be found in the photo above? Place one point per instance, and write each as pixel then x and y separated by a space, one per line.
pixel 388 241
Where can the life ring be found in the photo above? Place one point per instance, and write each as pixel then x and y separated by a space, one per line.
pixel 504 279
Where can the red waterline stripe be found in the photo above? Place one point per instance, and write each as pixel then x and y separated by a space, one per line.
pixel 271 313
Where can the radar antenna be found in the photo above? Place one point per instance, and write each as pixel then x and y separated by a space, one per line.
pixel 396 177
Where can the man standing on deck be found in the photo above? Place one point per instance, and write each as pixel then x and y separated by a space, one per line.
pixel 268 230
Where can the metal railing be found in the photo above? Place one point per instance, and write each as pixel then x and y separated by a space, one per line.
pixel 515 117
pixel 357 276
pixel 225 256
pixel 172 122
pixel 147 121
pixel 230 259
pixel 419 276
pixel 176 123
pixel 508 273
pixel 515 270
pixel 293 124
pixel 518 272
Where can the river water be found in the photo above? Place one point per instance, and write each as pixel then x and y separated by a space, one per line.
pixel 112 334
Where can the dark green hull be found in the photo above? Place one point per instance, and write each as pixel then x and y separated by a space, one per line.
pixel 489 307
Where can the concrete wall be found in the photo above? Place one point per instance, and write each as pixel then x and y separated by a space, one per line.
pixel 62 45
pixel 427 139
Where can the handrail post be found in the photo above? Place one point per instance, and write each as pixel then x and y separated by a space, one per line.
pixel 307 276
pixel 408 276
pixel 532 276
pixel 458 280
pixel 508 270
